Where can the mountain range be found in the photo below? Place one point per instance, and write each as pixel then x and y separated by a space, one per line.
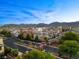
pixel 54 24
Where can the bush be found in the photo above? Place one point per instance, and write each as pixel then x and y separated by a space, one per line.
pixel 14 52
pixel 35 54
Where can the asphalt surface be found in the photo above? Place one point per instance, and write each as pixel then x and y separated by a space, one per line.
pixel 51 49
pixel 11 43
pixel 46 48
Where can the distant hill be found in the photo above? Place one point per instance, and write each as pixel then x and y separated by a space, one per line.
pixel 64 24
pixel 54 24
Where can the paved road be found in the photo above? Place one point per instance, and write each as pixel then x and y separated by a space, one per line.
pixel 47 48
pixel 51 49
pixel 11 43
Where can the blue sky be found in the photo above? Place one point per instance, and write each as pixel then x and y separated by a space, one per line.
pixel 38 11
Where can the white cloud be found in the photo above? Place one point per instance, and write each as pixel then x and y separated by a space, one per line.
pixel 57 15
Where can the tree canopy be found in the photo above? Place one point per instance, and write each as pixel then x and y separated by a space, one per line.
pixel 70 36
pixel 6 33
pixel 69 48
pixel 35 54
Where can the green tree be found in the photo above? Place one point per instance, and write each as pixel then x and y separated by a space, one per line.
pixel 69 48
pixel 14 52
pixel 26 36
pixel 36 38
pixel 69 36
pixel 21 36
pixel 6 33
pixel 7 50
pixel 46 39
pixel 35 54
pixel 29 37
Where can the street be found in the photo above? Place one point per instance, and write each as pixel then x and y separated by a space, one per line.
pixel 11 43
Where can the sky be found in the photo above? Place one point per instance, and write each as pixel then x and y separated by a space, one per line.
pixel 38 11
